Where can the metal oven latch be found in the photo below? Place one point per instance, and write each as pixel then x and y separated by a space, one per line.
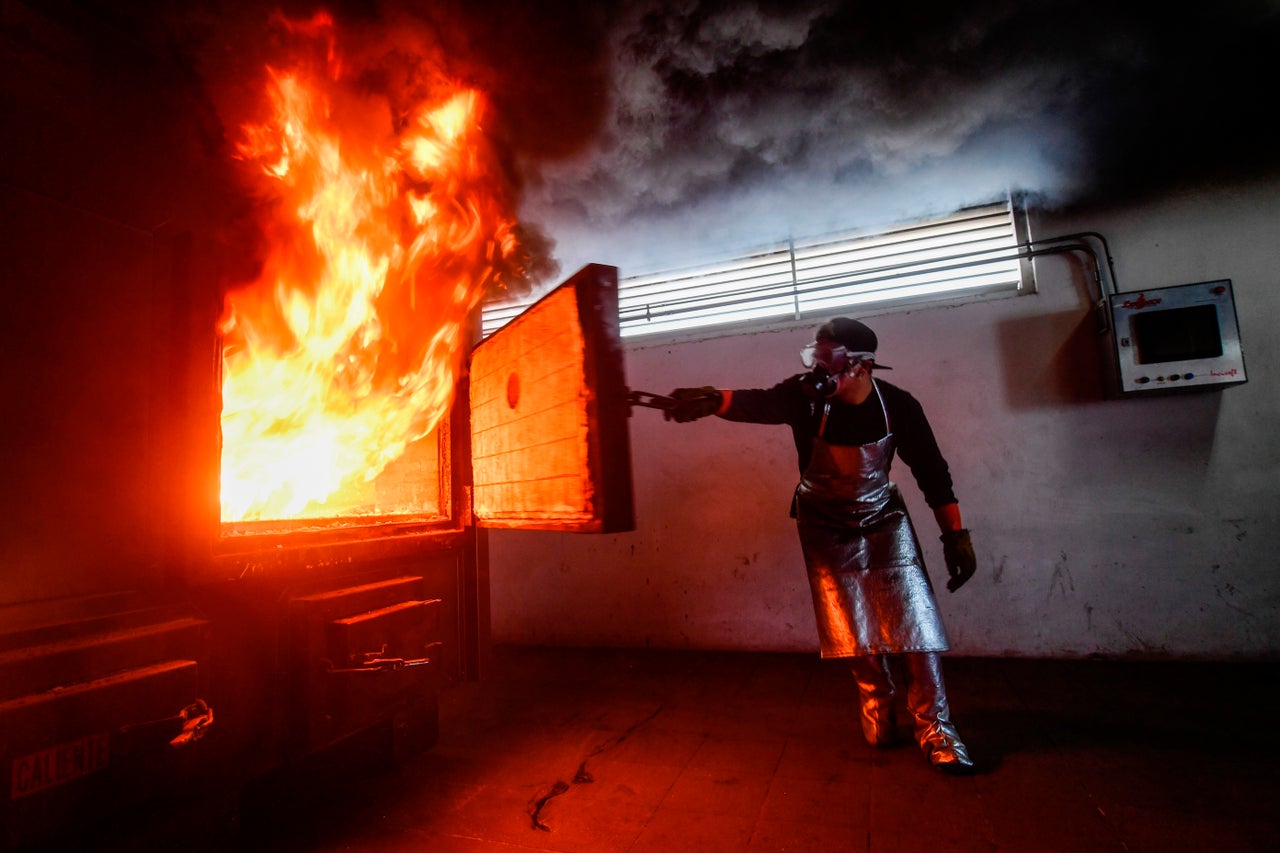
pixel 373 662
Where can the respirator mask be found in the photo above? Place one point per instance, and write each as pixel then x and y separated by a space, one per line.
pixel 827 361
pixel 818 384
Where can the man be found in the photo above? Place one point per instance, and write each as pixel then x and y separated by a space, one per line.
pixel 871 593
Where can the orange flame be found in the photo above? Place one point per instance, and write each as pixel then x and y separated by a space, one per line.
pixel 387 226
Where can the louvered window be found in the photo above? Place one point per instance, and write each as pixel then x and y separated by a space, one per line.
pixel 971 253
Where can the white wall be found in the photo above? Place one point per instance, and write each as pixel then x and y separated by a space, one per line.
pixel 1139 527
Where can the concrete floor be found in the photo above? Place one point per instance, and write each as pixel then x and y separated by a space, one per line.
pixel 600 750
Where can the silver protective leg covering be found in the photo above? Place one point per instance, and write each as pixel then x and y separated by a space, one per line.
pixel 875 690
pixel 927 700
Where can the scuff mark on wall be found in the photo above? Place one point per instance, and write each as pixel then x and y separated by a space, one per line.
pixel 1140 642
pixel 1061 580
pixel 998 572
pixel 1230 590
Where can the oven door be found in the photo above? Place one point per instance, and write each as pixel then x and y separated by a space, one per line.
pixel 550 447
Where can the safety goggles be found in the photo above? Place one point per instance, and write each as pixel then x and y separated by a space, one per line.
pixel 833 357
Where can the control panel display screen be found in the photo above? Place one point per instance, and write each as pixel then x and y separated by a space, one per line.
pixel 1177 334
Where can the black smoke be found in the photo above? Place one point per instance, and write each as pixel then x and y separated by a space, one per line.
pixel 748 121
pixel 644 129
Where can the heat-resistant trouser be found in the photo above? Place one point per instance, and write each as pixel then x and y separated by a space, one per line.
pixel 926 695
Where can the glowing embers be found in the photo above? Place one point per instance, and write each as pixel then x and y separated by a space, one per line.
pixel 387 217
pixel 414 486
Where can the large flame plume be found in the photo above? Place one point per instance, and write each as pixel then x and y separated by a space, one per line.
pixel 389 218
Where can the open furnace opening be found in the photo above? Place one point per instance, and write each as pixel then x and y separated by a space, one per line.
pixel 385 218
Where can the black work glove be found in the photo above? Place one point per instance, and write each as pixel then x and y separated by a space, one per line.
pixel 957 549
pixel 692 403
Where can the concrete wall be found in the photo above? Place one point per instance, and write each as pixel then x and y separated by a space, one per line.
pixel 1124 528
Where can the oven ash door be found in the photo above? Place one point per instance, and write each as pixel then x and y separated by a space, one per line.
pixel 550 447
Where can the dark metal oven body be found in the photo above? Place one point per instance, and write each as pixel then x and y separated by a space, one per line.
pixel 295 638
pixel 151 659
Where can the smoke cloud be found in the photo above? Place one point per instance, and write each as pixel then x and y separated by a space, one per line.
pixel 730 124
pixel 647 132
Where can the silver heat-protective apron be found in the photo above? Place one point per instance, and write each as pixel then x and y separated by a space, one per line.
pixel 871 593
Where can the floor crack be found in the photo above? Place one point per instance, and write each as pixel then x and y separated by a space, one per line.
pixel 583 776
pixel 556 790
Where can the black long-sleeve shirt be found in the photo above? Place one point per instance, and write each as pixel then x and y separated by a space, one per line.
pixel 787 403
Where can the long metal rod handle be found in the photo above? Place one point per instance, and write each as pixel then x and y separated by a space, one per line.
pixel 650 401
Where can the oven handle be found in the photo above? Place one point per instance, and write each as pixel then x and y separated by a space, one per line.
pixel 182 729
pixel 650 401
pixel 376 662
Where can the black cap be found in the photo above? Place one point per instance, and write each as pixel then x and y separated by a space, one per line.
pixel 854 335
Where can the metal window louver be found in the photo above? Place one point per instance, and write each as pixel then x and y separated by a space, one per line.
pixel 973 252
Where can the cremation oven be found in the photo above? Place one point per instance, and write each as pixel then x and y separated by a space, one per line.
pixel 268 642
pixel 156 655
pixel 373 611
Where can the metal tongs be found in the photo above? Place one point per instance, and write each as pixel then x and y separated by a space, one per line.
pixel 651 401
